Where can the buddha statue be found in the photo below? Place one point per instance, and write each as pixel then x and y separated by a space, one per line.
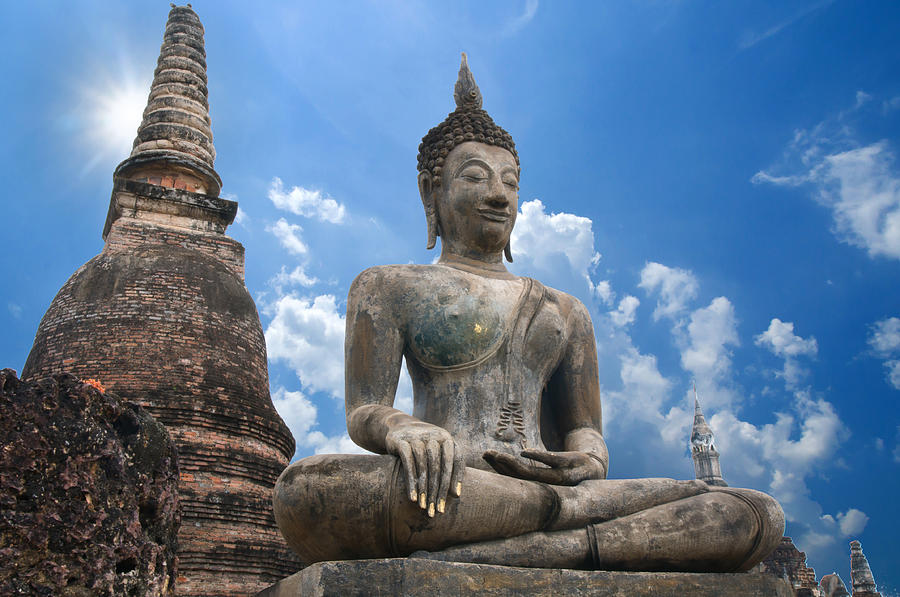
pixel 503 459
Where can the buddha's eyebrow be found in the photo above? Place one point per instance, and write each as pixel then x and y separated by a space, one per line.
pixel 469 162
pixel 509 168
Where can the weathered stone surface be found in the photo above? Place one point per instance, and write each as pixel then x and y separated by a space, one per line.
pixel 88 492
pixel 413 578
pixel 162 318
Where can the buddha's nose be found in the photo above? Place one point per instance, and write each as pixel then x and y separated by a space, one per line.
pixel 496 198
pixel 497 201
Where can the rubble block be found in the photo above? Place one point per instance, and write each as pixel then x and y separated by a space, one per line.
pixel 414 577
pixel 88 492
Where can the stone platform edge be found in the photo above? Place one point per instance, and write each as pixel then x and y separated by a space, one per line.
pixel 415 578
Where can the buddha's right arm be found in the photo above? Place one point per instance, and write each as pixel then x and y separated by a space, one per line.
pixel 373 352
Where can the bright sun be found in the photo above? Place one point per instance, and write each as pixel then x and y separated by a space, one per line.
pixel 117 116
pixel 110 110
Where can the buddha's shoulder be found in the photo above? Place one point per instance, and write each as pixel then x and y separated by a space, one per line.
pixel 567 304
pixel 382 279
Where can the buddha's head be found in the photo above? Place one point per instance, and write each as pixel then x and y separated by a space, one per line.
pixel 469 176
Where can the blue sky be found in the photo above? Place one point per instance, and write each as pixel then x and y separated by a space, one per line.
pixel 717 181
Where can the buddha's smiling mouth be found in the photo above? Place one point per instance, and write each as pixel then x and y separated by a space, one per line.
pixel 494 215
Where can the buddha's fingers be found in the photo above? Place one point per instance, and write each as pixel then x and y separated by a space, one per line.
pixel 549 458
pixel 459 471
pixel 409 467
pixel 447 449
pixel 418 449
pixel 433 452
pixel 509 465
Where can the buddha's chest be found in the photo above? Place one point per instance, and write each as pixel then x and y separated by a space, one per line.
pixel 450 325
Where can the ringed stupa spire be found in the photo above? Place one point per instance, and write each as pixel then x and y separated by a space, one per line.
pixel 162 318
pixel 703 449
pixel 176 131
pixel 174 148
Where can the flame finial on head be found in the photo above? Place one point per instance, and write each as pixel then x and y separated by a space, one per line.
pixel 466 92
pixel 468 122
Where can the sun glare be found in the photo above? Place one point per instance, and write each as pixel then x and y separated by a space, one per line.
pixel 108 114
pixel 117 116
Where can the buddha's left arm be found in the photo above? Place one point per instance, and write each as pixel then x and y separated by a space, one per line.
pixel 574 391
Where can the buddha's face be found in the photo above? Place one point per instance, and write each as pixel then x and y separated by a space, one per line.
pixel 478 199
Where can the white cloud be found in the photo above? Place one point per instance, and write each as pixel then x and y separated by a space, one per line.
pixel 403 399
pixel 884 338
pixel 863 189
pixel 893 373
pixel 676 288
pixel 644 390
pixel 852 522
pixel 300 415
pixel 295 277
pixel 289 237
pixel 625 312
pixel 858 182
pixel 861 98
pixel 603 291
pixel 780 339
pixel 297 411
pixel 783 455
pixel 896 451
pixel 14 310
pixel 306 202
pixel 750 38
pixel 309 336
pixel 333 444
pixel 241 218
pixel 523 19
pixel 706 353
pixel 541 238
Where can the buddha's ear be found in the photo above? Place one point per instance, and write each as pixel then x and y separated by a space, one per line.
pixel 508 251
pixel 427 193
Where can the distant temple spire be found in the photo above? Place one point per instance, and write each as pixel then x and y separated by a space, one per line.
pixel 861 579
pixel 833 586
pixel 703 449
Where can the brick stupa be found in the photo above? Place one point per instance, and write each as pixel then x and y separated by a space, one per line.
pixel 162 317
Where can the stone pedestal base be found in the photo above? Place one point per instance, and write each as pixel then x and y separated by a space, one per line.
pixel 414 577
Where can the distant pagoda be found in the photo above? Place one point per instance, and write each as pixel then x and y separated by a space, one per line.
pixel 861 578
pixel 703 449
pixel 162 317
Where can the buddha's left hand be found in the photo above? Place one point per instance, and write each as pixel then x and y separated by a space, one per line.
pixel 565 468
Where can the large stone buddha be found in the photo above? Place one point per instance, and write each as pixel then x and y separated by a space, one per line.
pixel 503 459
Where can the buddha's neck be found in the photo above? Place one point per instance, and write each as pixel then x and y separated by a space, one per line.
pixel 491 267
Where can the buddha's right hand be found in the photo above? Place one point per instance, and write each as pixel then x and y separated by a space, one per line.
pixel 432 461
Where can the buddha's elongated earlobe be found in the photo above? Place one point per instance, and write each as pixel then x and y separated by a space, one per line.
pixel 508 251
pixel 431 222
